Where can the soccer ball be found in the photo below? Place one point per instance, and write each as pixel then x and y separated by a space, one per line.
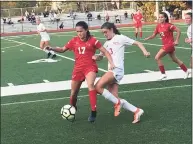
pixel 68 112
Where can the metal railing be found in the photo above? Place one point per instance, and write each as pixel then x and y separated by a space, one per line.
pixel 27 26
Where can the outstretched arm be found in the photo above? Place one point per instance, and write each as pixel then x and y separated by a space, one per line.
pixel 57 49
pixel 143 49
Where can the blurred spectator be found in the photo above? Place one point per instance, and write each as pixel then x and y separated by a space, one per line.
pixel 117 20
pixel 4 20
pixel 99 17
pixel 126 15
pixel 107 17
pixel 61 25
pixel 89 16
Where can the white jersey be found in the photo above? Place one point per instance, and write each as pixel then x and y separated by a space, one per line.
pixel 116 47
pixel 44 35
pixel 189 31
pixel 189 34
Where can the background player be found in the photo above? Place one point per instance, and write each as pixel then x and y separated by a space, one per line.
pixel 84 46
pixel 188 20
pixel 166 29
pixel 115 44
pixel 45 38
pixel 137 19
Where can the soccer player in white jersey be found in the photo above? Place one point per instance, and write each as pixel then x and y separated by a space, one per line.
pixel 188 20
pixel 45 38
pixel 115 44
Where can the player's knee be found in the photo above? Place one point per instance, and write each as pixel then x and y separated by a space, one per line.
pixel 99 89
pixel 157 58
pixel 91 86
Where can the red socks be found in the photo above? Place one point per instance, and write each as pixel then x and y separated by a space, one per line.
pixel 162 69
pixel 140 34
pixel 93 99
pixel 183 67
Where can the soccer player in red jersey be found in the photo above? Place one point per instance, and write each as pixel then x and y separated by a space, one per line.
pixel 166 29
pixel 137 19
pixel 84 46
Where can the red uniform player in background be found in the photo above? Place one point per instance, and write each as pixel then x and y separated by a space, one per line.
pixel 137 19
pixel 166 29
pixel 84 46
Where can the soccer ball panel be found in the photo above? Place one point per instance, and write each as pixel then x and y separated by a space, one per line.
pixel 68 112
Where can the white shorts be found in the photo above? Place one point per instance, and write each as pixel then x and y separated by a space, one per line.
pixel 118 73
pixel 45 38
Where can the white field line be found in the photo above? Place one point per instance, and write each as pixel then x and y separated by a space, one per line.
pixel 66 85
pixel 41 50
pixel 10 84
pixel 82 96
pixel 46 81
pixel 11 46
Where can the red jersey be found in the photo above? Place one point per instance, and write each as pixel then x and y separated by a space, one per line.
pixel 137 17
pixel 83 50
pixel 166 32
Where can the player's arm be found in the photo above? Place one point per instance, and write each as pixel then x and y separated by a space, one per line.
pixel 143 49
pixel 58 49
pixel 108 56
pixel 98 57
pixel 188 40
pixel 153 35
pixel 177 30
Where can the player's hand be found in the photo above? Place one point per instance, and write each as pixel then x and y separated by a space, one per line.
pixel 146 54
pixel 94 57
pixel 176 43
pixel 187 40
pixel 112 66
pixel 48 48
pixel 145 39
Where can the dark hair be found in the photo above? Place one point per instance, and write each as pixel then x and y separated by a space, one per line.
pixel 190 14
pixel 109 26
pixel 166 16
pixel 84 25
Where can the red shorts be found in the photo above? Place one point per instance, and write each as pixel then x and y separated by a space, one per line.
pixel 80 73
pixel 168 48
pixel 138 24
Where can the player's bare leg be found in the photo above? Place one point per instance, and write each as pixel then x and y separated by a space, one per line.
pixel 113 88
pixel 104 81
pixel 161 53
pixel 75 87
pixel 180 64
pixel 43 47
pixel 191 62
pixel 140 32
pixel 136 32
pixel 46 44
pixel 90 79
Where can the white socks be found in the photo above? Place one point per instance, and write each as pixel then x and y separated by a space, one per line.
pixel 52 52
pixel 109 96
pixel 126 105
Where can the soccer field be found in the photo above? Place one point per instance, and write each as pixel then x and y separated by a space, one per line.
pixel 33 90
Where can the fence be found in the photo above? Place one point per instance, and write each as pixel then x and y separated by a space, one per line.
pixel 27 26
pixel 65 8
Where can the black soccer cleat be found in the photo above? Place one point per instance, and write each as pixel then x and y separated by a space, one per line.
pixel 92 116
pixel 54 56
pixel 49 54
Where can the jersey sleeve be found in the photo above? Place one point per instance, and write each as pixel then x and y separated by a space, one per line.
pixel 126 40
pixel 97 43
pixel 70 44
pixel 172 27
